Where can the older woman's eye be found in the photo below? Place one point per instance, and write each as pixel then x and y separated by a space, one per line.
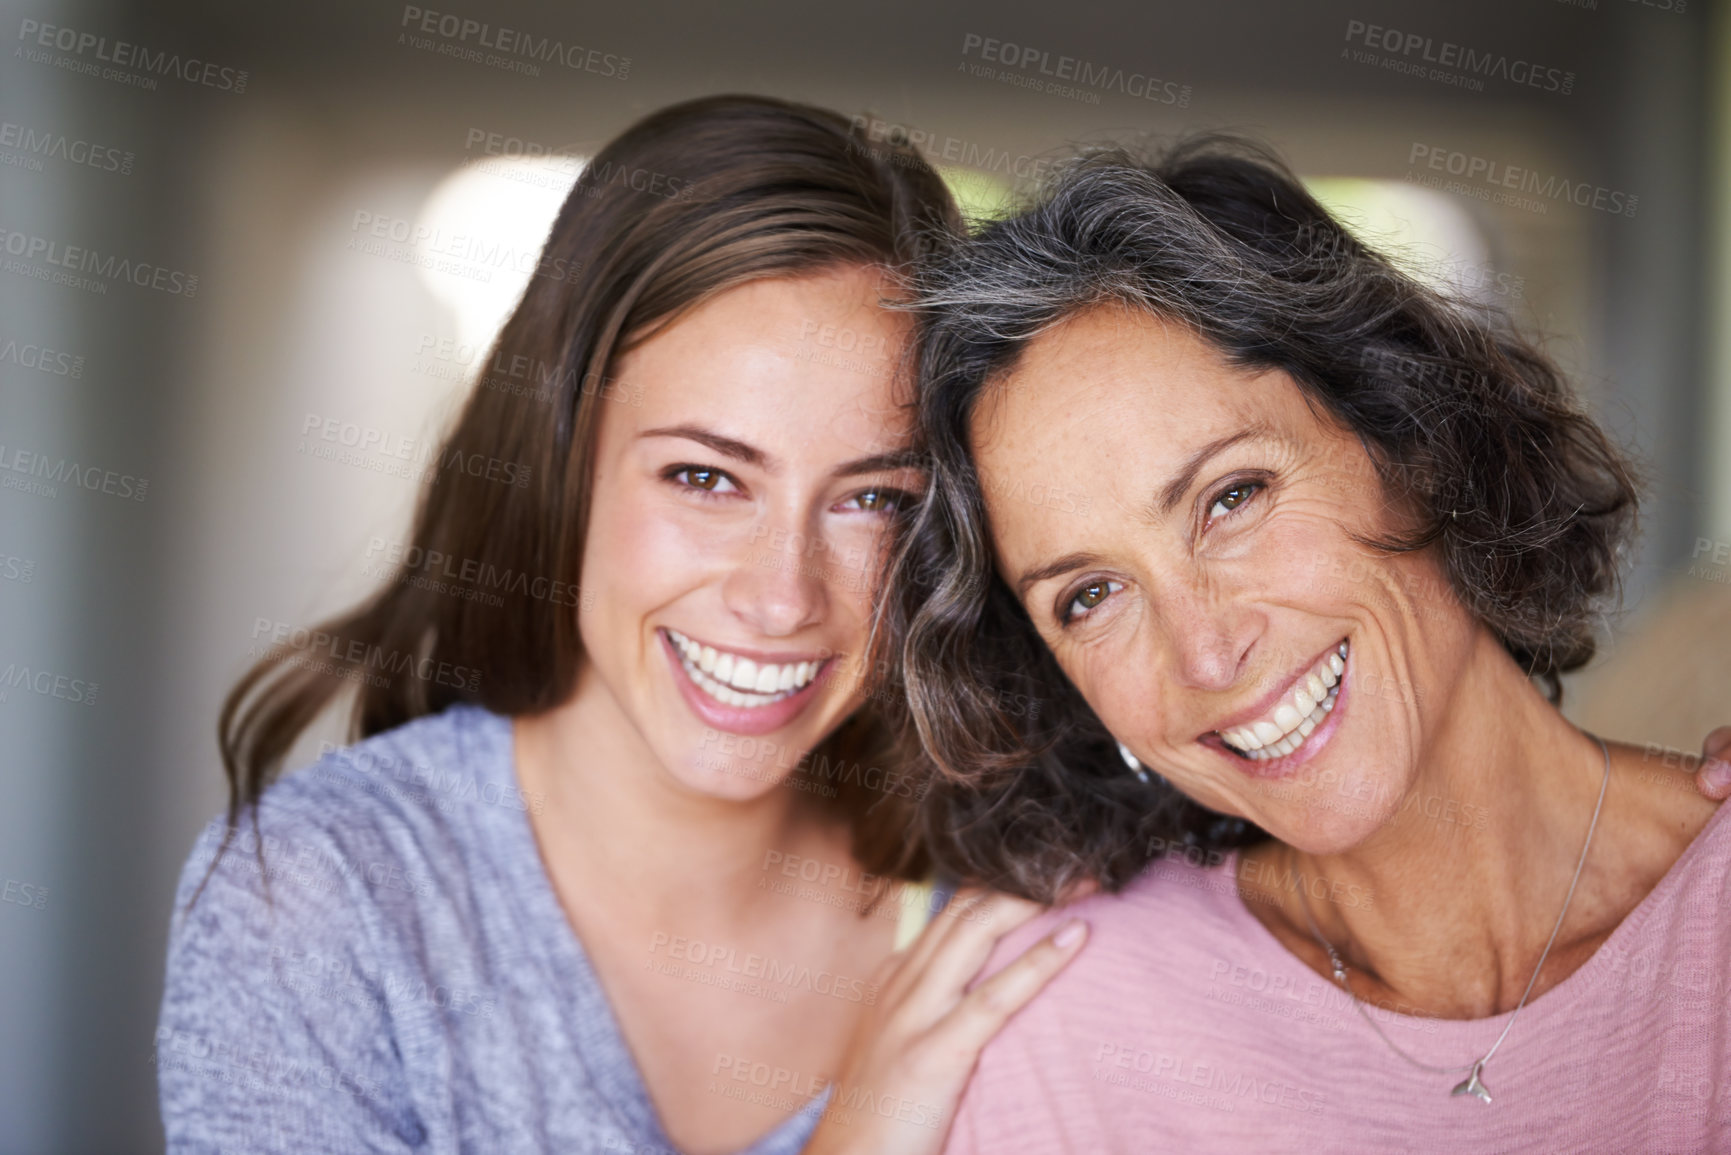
pixel 1086 598
pixel 1232 497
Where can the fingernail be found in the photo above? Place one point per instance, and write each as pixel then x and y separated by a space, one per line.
pixel 1071 934
pixel 1716 775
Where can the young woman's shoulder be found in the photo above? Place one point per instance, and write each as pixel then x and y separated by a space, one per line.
pixel 419 785
pixel 296 951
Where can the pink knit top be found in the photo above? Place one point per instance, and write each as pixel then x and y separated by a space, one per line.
pixel 1185 1026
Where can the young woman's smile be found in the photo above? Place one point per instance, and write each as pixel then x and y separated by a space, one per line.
pixel 744 691
pixel 737 523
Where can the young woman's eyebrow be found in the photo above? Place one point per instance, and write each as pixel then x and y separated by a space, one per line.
pixel 727 446
pixel 1174 490
pixel 751 455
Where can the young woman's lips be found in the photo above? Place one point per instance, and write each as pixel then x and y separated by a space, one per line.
pixel 1310 744
pixel 765 719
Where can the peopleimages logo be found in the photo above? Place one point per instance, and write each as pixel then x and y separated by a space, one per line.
pixel 78 259
pixel 124 54
pixel 54 472
pixel 33 144
pixel 941 150
pixel 1455 62
pixel 509 48
pixel 1072 71
pixel 1489 176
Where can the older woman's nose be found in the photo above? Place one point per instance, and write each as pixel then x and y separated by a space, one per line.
pixel 1211 641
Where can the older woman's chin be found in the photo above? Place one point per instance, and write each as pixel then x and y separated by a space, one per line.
pixel 1324 824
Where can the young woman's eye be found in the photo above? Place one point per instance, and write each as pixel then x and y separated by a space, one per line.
pixel 704 478
pixel 1232 497
pixel 1085 599
pixel 878 501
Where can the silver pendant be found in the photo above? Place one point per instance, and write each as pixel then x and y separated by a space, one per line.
pixel 1471 1085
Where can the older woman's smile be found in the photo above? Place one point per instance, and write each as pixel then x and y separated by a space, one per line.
pixel 1201 349
pixel 1298 712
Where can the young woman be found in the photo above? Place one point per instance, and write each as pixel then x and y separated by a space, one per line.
pixel 609 869
pixel 1333 539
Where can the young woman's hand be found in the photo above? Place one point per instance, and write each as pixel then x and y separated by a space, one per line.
pixel 911 1056
pixel 1714 777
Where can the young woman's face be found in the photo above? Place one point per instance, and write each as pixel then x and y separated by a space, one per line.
pixel 1211 603
pixel 740 498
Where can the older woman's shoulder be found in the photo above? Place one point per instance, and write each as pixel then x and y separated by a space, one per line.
pixel 1180 903
pixel 1660 831
pixel 1180 909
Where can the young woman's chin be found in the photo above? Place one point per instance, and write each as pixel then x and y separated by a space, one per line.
pixel 748 741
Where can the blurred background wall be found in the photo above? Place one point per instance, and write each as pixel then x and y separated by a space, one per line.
pixel 241 245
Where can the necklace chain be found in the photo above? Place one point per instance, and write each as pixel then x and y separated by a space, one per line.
pixel 1471 1085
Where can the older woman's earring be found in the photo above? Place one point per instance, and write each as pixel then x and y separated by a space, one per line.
pixel 1131 761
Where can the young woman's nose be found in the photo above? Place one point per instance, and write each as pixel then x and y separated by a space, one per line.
pixel 779 584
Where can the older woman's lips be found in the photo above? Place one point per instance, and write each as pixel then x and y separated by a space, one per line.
pixel 1290 723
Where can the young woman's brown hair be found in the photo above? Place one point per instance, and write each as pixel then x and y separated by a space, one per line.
pixel 693 200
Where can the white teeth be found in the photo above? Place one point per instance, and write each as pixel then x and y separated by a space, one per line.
pixel 739 681
pixel 1295 719
pixel 1314 686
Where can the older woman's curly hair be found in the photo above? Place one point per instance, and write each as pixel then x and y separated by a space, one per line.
pixel 1524 499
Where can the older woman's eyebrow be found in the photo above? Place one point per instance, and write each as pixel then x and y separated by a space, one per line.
pixel 1181 482
pixel 1056 568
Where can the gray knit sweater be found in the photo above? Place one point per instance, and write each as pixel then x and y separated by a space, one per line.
pixel 411 982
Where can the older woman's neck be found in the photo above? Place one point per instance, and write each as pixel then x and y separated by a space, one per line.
pixel 1459 898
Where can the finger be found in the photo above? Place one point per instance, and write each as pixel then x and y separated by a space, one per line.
pixel 916 957
pixel 938 926
pixel 1714 777
pixel 964 1031
pixel 964 950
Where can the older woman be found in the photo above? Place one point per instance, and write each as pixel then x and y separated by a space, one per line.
pixel 1309 545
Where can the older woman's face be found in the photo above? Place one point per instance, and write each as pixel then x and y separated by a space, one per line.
pixel 1198 578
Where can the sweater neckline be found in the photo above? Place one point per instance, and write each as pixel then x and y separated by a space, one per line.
pixel 1448 1035
pixel 610 1064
